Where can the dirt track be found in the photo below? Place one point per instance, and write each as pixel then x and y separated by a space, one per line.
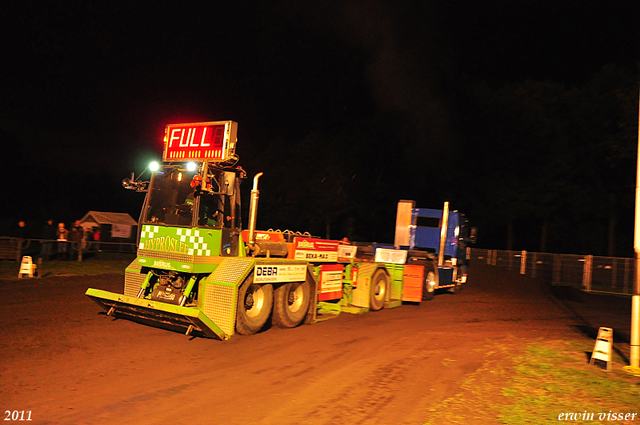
pixel 68 363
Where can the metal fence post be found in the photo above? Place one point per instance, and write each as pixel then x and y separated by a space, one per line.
pixel 586 273
pixel 565 269
pixel 626 275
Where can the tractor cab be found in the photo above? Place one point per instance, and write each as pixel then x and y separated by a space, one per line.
pixel 204 196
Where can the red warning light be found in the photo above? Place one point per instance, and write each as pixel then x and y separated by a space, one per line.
pixel 210 141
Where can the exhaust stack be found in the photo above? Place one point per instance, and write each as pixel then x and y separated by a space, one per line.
pixel 443 233
pixel 253 211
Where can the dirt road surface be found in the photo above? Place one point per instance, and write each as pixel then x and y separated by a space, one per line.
pixel 66 362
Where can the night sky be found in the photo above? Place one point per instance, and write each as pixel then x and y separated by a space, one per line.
pixel 385 90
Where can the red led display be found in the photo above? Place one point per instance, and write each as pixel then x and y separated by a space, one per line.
pixel 211 141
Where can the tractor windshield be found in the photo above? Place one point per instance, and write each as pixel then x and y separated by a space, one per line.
pixel 171 198
pixel 177 198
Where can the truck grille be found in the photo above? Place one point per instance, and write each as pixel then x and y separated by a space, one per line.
pixel 221 292
pixel 220 306
pixel 133 279
pixel 169 256
pixel 231 270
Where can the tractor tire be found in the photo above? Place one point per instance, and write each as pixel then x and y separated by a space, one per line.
pixel 379 288
pixel 291 303
pixel 255 303
pixel 430 282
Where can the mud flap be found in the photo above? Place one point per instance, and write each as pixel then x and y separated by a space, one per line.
pixel 173 317
pixel 445 277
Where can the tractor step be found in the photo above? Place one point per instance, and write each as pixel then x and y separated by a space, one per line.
pixel 393 303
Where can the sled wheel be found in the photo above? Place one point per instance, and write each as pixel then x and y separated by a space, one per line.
pixel 291 303
pixel 254 306
pixel 379 286
pixel 430 282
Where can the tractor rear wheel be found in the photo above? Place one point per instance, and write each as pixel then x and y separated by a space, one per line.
pixel 379 287
pixel 291 303
pixel 254 306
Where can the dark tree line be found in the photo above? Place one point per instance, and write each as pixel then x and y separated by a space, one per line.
pixel 536 165
pixel 559 163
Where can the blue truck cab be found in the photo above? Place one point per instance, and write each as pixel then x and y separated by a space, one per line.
pixel 437 238
pixel 426 232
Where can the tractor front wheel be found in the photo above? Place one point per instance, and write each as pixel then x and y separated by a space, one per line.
pixel 254 306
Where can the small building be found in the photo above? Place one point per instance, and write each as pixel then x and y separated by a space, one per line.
pixel 114 227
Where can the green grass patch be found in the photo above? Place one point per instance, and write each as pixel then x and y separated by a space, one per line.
pixel 554 379
pixel 98 263
pixel 524 382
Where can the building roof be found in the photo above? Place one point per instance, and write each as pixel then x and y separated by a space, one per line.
pixel 109 218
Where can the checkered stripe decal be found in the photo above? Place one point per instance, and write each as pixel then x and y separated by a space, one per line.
pixel 193 236
pixel 147 232
pixel 190 236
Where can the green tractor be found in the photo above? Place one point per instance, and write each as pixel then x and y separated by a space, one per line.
pixel 194 273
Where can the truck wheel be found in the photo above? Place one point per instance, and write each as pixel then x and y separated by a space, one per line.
pixel 254 306
pixel 430 282
pixel 290 304
pixel 379 286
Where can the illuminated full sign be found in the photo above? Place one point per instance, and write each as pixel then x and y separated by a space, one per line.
pixel 201 141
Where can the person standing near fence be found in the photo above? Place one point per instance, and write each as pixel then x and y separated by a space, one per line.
pixel 76 235
pixel 48 235
pixel 96 238
pixel 62 235
pixel 21 230
pixel 20 234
